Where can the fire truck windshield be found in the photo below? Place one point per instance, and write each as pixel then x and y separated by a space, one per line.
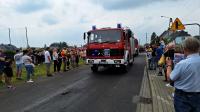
pixel 103 36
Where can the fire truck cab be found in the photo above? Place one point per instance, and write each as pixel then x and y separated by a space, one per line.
pixel 109 47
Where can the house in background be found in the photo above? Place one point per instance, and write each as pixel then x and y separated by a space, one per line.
pixel 169 36
pixel 8 47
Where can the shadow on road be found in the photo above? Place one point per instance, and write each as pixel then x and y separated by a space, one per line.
pixel 111 71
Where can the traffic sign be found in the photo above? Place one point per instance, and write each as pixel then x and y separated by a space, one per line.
pixel 177 25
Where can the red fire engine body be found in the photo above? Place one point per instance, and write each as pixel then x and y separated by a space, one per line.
pixel 109 47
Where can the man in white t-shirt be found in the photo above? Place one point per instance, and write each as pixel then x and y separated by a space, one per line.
pixel 19 64
pixel 47 61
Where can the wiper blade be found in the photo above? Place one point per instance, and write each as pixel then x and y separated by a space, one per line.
pixel 103 42
pixel 94 42
pixel 107 42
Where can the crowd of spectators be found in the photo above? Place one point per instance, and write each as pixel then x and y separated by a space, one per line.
pixel 180 64
pixel 29 58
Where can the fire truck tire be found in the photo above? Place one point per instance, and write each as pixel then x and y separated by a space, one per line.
pixel 124 68
pixel 94 68
pixel 133 58
pixel 131 63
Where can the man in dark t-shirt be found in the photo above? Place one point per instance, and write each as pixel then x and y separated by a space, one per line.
pixel 153 58
pixel 159 52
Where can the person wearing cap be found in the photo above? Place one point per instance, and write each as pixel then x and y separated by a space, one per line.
pixel 186 78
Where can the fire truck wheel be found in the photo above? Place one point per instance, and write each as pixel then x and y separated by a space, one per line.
pixel 130 63
pixel 124 68
pixel 94 68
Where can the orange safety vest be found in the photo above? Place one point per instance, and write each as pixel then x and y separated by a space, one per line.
pixel 63 53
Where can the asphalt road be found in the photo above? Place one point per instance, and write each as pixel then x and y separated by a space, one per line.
pixel 78 90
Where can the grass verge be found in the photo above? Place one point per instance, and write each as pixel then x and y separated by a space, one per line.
pixel 39 71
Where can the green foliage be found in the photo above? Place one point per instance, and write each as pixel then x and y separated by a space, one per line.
pixel 153 36
pixel 59 45
pixel 167 40
pixel 10 53
pixel 45 46
pixel 154 39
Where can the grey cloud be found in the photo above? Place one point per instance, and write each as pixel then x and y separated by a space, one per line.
pixel 124 4
pixel 29 6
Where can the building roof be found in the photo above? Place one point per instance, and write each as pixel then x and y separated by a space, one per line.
pixel 165 34
pixel 8 47
pixel 170 35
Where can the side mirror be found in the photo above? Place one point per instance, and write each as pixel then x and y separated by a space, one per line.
pixel 129 33
pixel 124 35
pixel 84 36
pixel 88 33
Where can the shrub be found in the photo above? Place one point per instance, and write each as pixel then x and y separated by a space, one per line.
pixel 10 54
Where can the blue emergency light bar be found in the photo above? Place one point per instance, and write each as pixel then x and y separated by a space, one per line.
pixel 94 27
pixel 119 25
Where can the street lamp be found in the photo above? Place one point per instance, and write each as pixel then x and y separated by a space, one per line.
pixel 170 20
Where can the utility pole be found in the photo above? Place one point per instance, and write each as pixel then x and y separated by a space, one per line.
pixel 26 37
pixel 9 35
pixel 146 38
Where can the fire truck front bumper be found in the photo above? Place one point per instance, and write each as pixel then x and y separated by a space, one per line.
pixel 105 61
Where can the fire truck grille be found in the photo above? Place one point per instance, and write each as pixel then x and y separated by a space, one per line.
pixel 105 52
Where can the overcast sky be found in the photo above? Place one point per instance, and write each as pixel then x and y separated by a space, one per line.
pixel 65 20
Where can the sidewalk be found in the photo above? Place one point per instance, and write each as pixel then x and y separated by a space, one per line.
pixel 155 91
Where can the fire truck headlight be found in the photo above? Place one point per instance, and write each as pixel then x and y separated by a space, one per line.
pixel 90 61
pixel 117 61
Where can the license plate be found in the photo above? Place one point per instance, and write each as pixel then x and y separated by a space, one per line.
pixel 103 62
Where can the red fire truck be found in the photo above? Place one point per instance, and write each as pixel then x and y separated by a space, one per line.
pixel 109 47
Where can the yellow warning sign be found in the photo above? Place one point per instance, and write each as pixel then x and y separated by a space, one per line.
pixel 177 25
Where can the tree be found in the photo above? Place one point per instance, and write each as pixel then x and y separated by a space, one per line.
pixel 59 45
pixel 154 38
pixel 45 46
